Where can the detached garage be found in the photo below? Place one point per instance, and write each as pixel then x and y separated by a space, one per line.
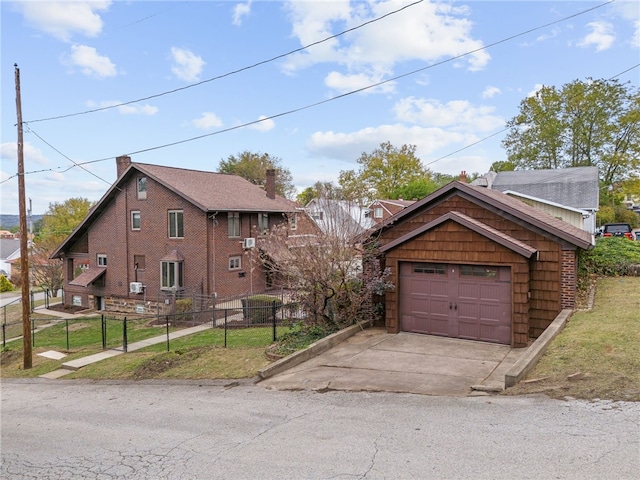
pixel 477 264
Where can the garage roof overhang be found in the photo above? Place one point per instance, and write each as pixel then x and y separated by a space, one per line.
pixel 507 241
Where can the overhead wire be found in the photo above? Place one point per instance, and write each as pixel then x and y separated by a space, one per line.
pixel 233 72
pixel 312 105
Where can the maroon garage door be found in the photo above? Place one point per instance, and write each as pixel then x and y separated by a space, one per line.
pixel 461 301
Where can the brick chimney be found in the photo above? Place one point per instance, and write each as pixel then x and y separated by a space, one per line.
pixel 463 176
pixel 271 183
pixel 122 163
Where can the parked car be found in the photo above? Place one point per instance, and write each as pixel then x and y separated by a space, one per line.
pixel 617 230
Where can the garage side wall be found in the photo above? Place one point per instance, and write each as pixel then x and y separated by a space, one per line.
pixel 454 243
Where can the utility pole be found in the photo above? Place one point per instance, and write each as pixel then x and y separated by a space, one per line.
pixel 27 359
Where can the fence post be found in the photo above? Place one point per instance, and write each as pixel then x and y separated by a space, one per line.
pixel 33 331
pixel 4 333
pixel 273 313
pixel 31 297
pixel 66 322
pixel 103 324
pixel 225 327
pixel 167 318
pixel 124 335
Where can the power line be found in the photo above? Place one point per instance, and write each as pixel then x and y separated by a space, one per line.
pixel 295 110
pixel 233 72
pixel 368 87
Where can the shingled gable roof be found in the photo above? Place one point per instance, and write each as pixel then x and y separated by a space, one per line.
pixel 479 227
pixel 504 205
pixel 209 191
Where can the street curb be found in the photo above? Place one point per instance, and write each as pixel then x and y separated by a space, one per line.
pixel 311 351
pixel 536 350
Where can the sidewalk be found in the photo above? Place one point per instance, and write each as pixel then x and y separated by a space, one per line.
pixel 73 365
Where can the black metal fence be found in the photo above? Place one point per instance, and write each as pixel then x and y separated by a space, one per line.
pixel 229 323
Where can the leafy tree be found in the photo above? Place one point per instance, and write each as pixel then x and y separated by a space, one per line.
pixel 591 123
pixel 253 167
pixel 62 218
pixel 503 166
pixel 382 172
pixel 325 271
pixel 416 189
pixel 318 190
pixel 57 223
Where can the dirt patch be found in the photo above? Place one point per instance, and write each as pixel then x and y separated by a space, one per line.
pixel 61 307
pixel 165 362
pixel 10 356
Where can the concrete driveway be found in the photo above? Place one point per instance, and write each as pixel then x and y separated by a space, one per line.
pixel 373 360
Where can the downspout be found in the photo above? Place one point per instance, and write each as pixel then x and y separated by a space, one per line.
pixel 214 223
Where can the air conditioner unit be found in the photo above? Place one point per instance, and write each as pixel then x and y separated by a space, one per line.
pixel 249 243
pixel 136 287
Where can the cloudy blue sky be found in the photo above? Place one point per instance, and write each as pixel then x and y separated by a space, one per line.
pixel 190 83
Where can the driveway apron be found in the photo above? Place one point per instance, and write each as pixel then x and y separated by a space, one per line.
pixel 373 360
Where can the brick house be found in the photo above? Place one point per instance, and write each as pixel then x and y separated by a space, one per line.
pixel 160 230
pixel 474 263
pixel 380 210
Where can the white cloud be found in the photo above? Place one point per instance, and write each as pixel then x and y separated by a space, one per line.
pixel 427 32
pixel 491 92
pixel 536 88
pixel 349 83
pixel 458 115
pixel 239 11
pixel 187 65
pixel 349 146
pixel 206 121
pixel 90 62
pixel 130 109
pixel 601 36
pixel 63 19
pixel 9 153
pixel 264 125
pixel 629 11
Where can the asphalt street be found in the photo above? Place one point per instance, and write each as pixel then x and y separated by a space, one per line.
pixel 237 430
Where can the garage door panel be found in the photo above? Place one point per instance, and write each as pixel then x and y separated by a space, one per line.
pixel 471 302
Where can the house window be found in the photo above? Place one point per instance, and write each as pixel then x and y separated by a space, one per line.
pixel 102 260
pixel 176 224
pixel 377 212
pixel 172 276
pixel 233 221
pixel 437 268
pixel 293 221
pixel 135 220
pixel 317 215
pixel 235 263
pixel 141 187
pixel 138 262
pixel 263 222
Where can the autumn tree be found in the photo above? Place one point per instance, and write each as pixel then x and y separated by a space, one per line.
pixel 382 172
pixel 590 123
pixel 57 223
pixel 319 190
pixel 253 167
pixel 324 272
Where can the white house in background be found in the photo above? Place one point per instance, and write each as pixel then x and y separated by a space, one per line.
pixel 9 253
pixel 565 193
pixel 347 219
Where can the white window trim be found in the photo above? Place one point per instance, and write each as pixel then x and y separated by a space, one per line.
pixel 101 259
pixel 378 212
pixel 293 221
pixel 234 258
pixel 133 213
pixel 141 194
pixel 232 219
pixel 178 267
pixel 169 223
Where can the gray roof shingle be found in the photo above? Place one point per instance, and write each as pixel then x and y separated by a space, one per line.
pixel 576 187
